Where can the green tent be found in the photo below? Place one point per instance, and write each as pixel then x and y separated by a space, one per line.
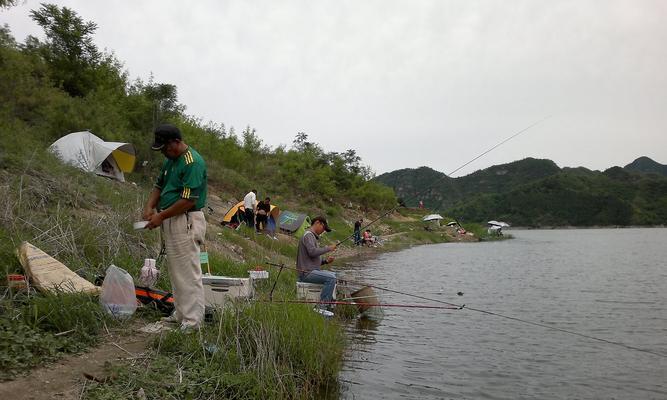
pixel 294 223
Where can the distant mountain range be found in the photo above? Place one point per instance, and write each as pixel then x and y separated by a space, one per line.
pixel 536 192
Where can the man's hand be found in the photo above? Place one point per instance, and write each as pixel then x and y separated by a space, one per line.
pixel 331 247
pixel 330 259
pixel 148 213
pixel 154 221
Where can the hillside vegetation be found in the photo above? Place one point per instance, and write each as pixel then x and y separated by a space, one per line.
pixel 534 192
pixel 65 84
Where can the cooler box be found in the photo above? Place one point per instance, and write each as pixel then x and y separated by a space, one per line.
pixel 258 274
pixel 310 291
pixel 220 289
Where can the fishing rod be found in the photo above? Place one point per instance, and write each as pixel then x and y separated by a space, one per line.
pixel 486 312
pixel 368 304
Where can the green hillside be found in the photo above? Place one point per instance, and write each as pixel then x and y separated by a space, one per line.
pixel 424 183
pixel 537 193
pixel 613 197
pixel 438 191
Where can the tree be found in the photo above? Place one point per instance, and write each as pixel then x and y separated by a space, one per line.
pixel 69 49
pixel 352 161
pixel 165 100
pixel 8 3
pixel 6 38
pixel 252 144
pixel 300 142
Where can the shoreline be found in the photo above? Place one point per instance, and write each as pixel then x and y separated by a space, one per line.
pixel 572 227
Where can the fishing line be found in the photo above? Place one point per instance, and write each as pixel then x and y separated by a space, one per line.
pixel 463 306
pixel 627 346
pixel 368 304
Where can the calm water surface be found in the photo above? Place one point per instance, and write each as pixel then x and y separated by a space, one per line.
pixel 607 283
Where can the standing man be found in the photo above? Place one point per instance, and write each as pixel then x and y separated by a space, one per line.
pixel 308 261
pixel 357 231
pixel 249 203
pixel 175 205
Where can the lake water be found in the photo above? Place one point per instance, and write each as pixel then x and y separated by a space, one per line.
pixel 607 283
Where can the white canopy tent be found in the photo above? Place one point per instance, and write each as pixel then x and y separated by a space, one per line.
pixel 90 153
pixel 432 217
pixel 499 223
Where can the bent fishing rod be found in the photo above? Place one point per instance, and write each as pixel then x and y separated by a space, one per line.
pixel 366 304
pixel 455 170
pixel 486 312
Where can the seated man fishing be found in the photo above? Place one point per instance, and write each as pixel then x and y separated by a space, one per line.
pixel 308 260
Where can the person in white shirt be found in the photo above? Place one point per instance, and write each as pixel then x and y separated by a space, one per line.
pixel 249 203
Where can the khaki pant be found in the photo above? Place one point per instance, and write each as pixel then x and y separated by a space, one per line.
pixel 183 234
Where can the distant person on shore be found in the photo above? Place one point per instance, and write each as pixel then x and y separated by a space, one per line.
pixel 263 210
pixel 175 206
pixel 249 203
pixel 421 204
pixel 309 261
pixel 368 238
pixel 357 231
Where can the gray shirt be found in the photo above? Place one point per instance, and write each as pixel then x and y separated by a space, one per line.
pixel 308 254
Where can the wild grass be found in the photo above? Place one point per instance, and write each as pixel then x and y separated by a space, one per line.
pixel 261 351
pixel 39 328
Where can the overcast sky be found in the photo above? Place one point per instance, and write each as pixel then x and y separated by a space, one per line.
pixel 407 83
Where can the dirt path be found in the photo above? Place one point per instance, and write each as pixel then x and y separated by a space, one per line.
pixel 64 379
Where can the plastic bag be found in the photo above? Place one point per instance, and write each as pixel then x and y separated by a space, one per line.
pixel 149 273
pixel 118 297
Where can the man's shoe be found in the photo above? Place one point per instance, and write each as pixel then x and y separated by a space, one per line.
pixel 170 319
pixel 323 312
pixel 188 328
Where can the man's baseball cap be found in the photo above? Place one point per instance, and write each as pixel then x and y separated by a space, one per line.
pixel 164 134
pixel 323 221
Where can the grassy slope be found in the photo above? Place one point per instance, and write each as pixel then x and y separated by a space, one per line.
pixel 85 221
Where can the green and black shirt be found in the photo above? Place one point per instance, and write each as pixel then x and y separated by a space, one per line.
pixel 183 178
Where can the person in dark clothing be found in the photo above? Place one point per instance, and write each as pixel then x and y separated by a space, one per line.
pixel 357 231
pixel 263 210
